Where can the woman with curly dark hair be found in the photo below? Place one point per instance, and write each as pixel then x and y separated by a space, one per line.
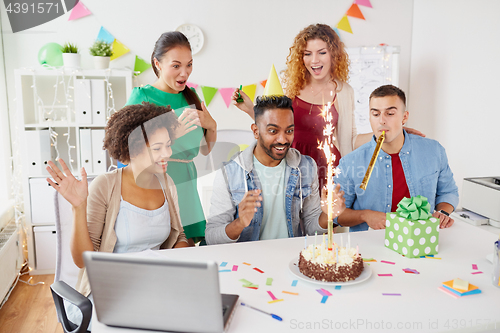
pixel 172 63
pixel 130 209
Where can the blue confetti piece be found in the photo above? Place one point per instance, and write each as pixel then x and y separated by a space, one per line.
pixel 224 270
pixel 223 264
pixel 338 287
pixel 294 283
pixel 323 300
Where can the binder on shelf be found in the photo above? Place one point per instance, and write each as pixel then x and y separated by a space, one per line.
pixel 98 102
pixel 99 160
pixel 41 201
pixel 39 151
pixel 83 102
pixel 86 150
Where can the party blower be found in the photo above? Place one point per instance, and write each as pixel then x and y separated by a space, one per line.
pixel 368 173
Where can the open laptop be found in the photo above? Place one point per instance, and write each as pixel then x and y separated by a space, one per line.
pixel 158 293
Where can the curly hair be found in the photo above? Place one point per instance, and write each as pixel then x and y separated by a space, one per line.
pixel 126 129
pixel 296 75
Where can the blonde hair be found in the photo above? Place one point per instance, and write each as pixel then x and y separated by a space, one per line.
pixel 296 75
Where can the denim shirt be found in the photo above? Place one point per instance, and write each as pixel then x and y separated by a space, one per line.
pixel 425 167
pixel 235 178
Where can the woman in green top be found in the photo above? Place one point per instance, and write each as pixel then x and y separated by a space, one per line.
pixel 172 63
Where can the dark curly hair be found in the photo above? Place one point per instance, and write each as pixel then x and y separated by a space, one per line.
pixel 264 103
pixel 127 128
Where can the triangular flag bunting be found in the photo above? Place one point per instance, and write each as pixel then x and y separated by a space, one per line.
pixel 118 50
pixel 354 11
pixel 191 85
pixel 208 94
pixel 79 11
pixel 344 24
pixel 226 94
pixel 250 90
pixel 273 85
pixel 105 36
pixel 140 65
pixel 337 32
pixel 263 83
pixel 365 3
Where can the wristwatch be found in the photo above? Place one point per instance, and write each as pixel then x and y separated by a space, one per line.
pixel 444 212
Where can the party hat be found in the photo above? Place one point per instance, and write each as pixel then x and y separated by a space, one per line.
pixel 273 85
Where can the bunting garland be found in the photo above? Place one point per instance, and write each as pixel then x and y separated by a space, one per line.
pixel 79 11
pixel 140 65
pixel 208 93
pixel 353 11
pixel 118 48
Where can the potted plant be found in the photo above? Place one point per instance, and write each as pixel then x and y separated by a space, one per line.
pixel 71 58
pixel 102 52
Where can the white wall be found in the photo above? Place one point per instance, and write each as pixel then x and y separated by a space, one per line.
pixel 454 82
pixel 242 39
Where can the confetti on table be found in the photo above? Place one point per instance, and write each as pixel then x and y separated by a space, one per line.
pixel 245 263
pixel 327 293
pixel 409 270
pixel 387 262
pixel 275 301
pixel 235 268
pixel 258 270
pixel 272 295
pixel 324 299
pixel 384 274
pixel 294 283
pixel 369 260
pixel 478 272
pixel 446 291
pixel 432 257
pixel 269 281
pixel 224 270
pixel 251 287
pixel 338 287
pixel 474 266
pixel 290 293
pixel 387 294
pixel 245 281
pixel 223 264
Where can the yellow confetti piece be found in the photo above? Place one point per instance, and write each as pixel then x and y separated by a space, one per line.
pixel 290 293
pixel 433 257
pixel 245 263
pixel 275 301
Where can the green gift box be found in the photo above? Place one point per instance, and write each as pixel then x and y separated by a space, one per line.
pixel 411 230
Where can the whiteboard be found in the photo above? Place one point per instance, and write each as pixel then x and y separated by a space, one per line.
pixel 371 67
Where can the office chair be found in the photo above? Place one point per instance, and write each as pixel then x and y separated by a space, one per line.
pixel 66 274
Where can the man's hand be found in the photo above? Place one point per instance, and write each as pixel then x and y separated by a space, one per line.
pixel 247 208
pixel 375 220
pixel 444 220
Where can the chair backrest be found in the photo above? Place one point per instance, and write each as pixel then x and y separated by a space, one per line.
pixel 66 270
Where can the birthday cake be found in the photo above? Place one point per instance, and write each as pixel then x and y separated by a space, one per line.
pixel 338 265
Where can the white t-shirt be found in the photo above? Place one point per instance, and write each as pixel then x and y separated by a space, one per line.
pixel 272 180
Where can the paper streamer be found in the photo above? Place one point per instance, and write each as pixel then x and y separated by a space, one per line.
pixel 354 11
pixel 140 66
pixel 105 36
pixel 226 94
pixel 208 93
pixel 365 3
pixel 250 90
pixel 344 25
pixel 79 11
pixel 119 49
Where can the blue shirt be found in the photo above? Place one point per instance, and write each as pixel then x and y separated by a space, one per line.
pixel 426 170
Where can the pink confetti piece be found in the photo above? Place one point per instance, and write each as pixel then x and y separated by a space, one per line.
pixel 258 270
pixel 474 266
pixel 235 268
pixel 478 272
pixel 387 294
pixel 327 293
pixel 387 262
pixel 384 274
pixel 272 295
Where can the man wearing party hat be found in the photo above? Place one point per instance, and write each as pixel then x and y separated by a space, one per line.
pixel 269 190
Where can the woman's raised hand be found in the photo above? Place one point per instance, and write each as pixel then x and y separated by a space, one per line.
pixel 188 121
pixel 72 189
pixel 245 106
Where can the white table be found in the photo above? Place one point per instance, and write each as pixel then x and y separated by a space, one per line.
pixel 362 307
